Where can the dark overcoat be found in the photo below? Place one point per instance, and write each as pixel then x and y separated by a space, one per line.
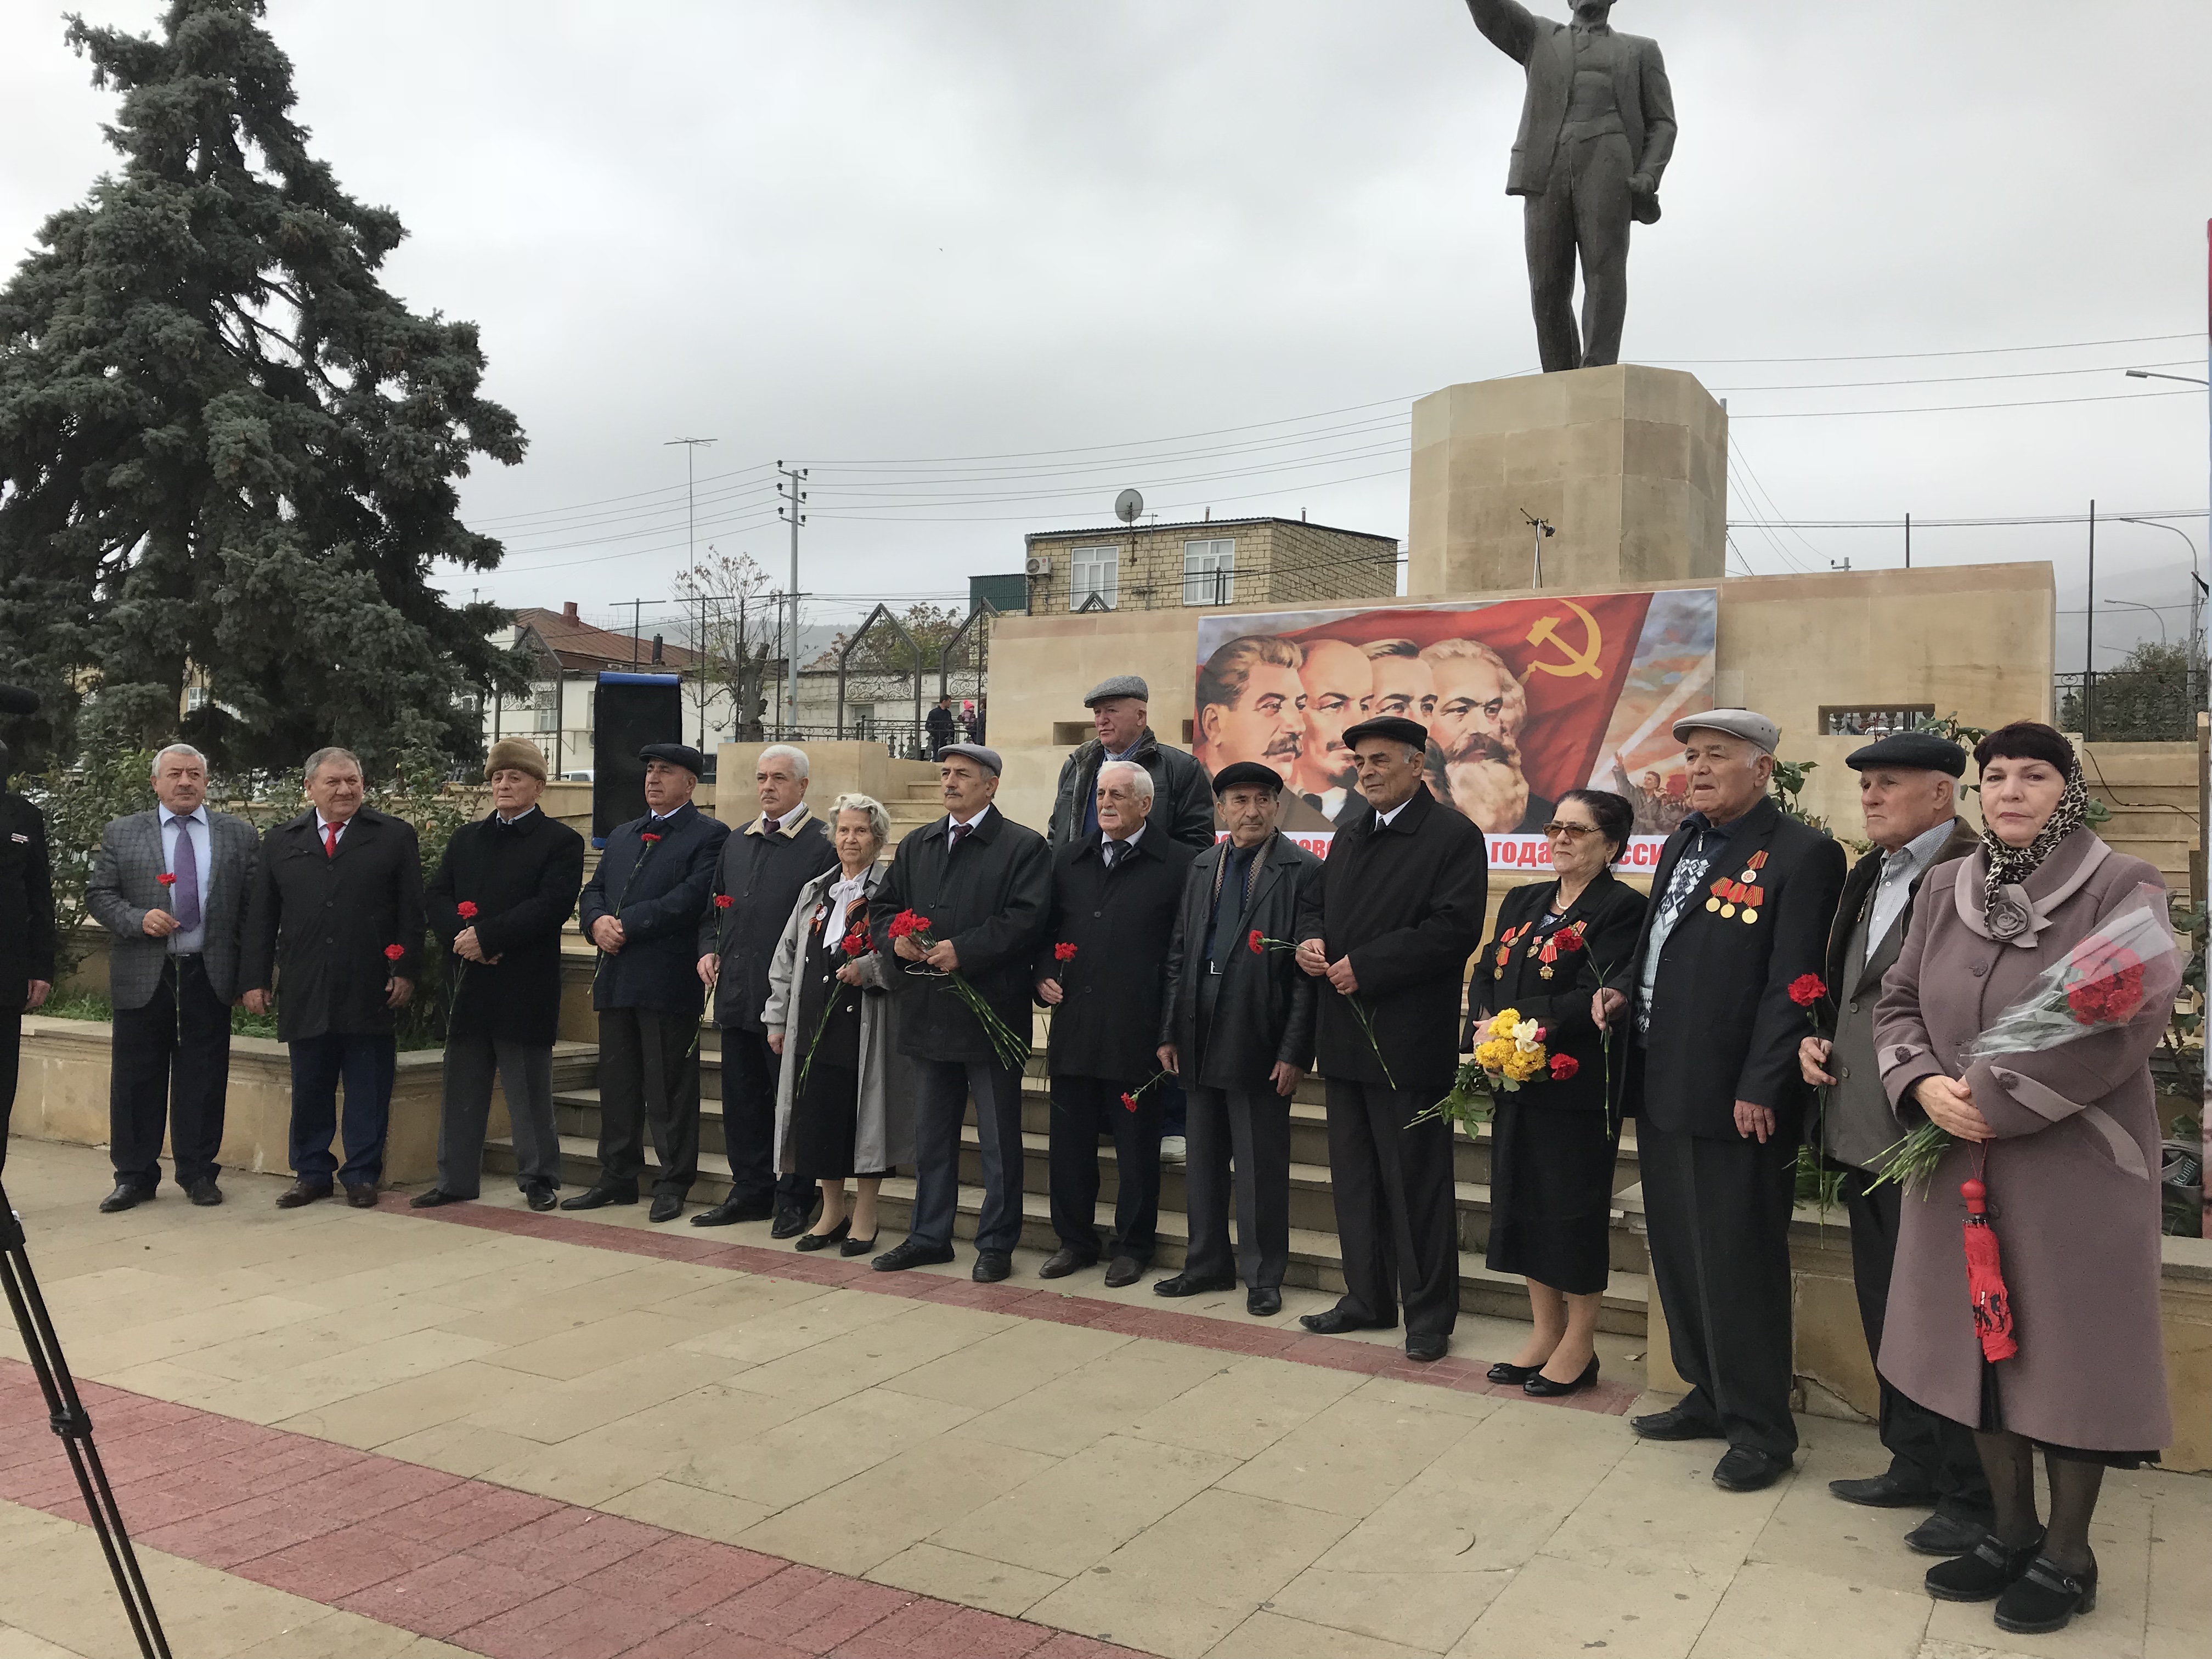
pixel 318 927
pixel 1857 891
pixel 1121 922
pixel 1723 1028
pixel 1405 901
pixel 991 899
pixel 26 902
pixel 1610 914
pixel 658 896
pixel 1183 794
pixel 523 879
pixel 1264 1008
pixel 760 874
pixel 2073 1175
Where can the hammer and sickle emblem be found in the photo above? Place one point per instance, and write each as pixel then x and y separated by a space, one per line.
pixel 1584 661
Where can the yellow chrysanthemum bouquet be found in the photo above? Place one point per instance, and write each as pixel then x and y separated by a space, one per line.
pixel 1512 1054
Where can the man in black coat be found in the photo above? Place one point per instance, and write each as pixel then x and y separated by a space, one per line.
pixel 985 886
pixel 334 928
pixel 1741 904
pixel 498 900
pixel 1183 801
pixel 27 934
pixel 1237 1028
pixel 763 868
pixel 1101 970
pixel 1403 892
pixel 641 909
pixel 939 725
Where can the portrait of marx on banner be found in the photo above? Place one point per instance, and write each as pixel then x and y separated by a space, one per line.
pixel 1524 699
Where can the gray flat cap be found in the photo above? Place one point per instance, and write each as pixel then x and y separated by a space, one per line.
pixel 1121 685
pixel 987 758
pixel 1755 729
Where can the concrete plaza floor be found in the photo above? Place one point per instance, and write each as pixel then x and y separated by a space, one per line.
pixel 692 1449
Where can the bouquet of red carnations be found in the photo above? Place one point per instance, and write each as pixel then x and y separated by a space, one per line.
pixel 1011 1046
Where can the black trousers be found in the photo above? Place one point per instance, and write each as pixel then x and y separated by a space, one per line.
pixel 1084 1109
pixel 11 1057
pixel 648 1079
pixel 749 1070
pixel 1586 209
pixel 1926 1450
pixel 1718 1211
pixel 1395 1218
pixel 1249 1128
pixel 169 1070
pixel 366 1063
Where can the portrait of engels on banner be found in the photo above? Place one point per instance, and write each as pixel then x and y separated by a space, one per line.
pixel 1523 699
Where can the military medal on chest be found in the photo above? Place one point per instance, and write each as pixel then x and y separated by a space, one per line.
pixel 1740 899
pixel 1566 942
pixel 1505 943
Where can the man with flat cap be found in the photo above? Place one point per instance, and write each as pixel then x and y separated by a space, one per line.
pixel 641 909
pixel 1908 791
pixel 1741 900
pixel 984 886
pixel 1238 1027
pixel 1182 803
pixel 1403 893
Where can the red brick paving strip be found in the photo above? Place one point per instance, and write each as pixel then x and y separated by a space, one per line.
pixel 1192 1330
pixel 482 1567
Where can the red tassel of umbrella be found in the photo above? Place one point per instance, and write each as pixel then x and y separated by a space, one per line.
pixel 1985 1286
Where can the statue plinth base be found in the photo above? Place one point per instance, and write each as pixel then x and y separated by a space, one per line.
pixel 1629 464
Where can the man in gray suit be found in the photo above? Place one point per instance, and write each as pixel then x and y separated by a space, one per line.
pixel 171 885
pixel 1597 127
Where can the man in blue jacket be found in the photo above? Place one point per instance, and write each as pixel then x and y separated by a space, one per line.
pixel 641 909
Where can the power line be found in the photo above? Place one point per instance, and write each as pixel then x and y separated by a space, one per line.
pixel 1954 408
pixel 1905 356
pixel 1952 380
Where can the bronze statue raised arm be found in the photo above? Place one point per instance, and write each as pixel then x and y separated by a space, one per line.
pixel 1596 129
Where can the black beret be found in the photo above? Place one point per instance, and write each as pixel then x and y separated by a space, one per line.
pixel 1396 727
pixel 1922 751
pixel 1249 774
pixel 675 754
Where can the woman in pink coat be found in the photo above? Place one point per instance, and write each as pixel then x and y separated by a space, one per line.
pixel 2066 1140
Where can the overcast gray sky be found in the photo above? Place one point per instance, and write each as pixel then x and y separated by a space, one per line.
pixel 857 236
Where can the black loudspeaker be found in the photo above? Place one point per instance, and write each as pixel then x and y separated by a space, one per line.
pixel 631 710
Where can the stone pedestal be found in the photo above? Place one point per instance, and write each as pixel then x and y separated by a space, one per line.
pixel 1628 463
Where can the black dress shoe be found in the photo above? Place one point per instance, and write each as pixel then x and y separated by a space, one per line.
pixel 127 1195
pixel 912 1254
pixel 1743 1469
pixel 539 1196
pixel 1945 1536
pixel 1672 1424
pixel 302 1192
pixel 991 1266
pixel 2045 1597
pixel 1507 1372
pixel 362 1194
pixel 1261 1300
pixel 824 1241
pixel 205 1193
pixel 1427 1346
pixel 791 1220
pixel 857 1246
pixel 666 1206
pixel 1123 1271
pixel 731 1211
pixel 1540 1387
pixel 1184 1283
pixel 1885 1491
pixel 434 1199
pixel 1064 1262
pixel 1331 1322
pixel 597 1198
pixel 1985 1572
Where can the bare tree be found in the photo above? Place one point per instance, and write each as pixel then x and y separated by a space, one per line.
pixel 732 620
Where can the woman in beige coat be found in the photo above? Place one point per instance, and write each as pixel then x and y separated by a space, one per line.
pixel 2066 1140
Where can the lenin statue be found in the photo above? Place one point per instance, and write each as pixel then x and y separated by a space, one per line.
pixel 1596 129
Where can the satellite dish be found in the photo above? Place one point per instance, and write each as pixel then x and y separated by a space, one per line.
pixel 1127 505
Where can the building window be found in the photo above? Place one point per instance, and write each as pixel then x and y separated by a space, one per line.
pixel 545 706
pixel 1209 573
pixel 1094 571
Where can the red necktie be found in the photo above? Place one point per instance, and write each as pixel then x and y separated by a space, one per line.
pixel 330 840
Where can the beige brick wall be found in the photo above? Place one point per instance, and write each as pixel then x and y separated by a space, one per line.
pixel 1277 561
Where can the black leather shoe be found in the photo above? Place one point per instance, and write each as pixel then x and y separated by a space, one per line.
pixel 2045 1597
pixel 539 1196
pixel 791 1220
pixel 361 1194
pixel 731 1211
pixel 1426 1346
pixel 666 1206
pixel 1063 1262
pixel 1185 1285
pixel 991 1266
pixel 127 1195
pixel 1262 1302
pixel 434 1199
pixel 1510 1374
pixel 857 1246
pixel 205 1193
pixel 1672 1424
pixel 1945 1536
pixel 1123 1271
pixel 1885 1491
pixel 1985 1572
pixel 1742 1469
pixel 1332 1322
pixel 597 1198
pixel 1540 1387
pixel 303 1192
pixel 824 1241
pixel 912 1254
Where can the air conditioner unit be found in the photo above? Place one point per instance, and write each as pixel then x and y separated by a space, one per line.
pixel 1037 567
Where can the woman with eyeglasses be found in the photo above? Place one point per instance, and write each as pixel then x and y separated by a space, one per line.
pixel 1552 1142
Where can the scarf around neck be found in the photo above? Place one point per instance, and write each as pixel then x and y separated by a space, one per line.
pixel 2011 867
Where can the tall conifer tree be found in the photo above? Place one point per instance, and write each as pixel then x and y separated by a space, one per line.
pixel 223 445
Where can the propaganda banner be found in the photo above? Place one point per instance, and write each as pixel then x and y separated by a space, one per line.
pixel 1523 699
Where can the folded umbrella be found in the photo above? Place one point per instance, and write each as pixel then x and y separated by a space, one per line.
pixel 1985 1286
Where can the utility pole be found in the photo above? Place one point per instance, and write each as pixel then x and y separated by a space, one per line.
pixel 2089 640
pixel 792 510
pixel 1908 541
pixel 1541 530
pixel 692 447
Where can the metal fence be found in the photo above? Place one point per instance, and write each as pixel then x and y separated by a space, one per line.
pixel 2130 707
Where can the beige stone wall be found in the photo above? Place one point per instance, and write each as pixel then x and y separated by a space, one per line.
pixel 1277 561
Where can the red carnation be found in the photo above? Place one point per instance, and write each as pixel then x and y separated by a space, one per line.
pixel 467 908
pixel 393 952
pixel 2110 999
pixel 648 840
pixel 1563 1066
pixel 1255 941
pixel 1063 951
pixel 1569 942
pixel 1806 989
pixel 857 943
pixel 906 922
pixel 723 901
pixel 1129 1102
pixel 166 880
